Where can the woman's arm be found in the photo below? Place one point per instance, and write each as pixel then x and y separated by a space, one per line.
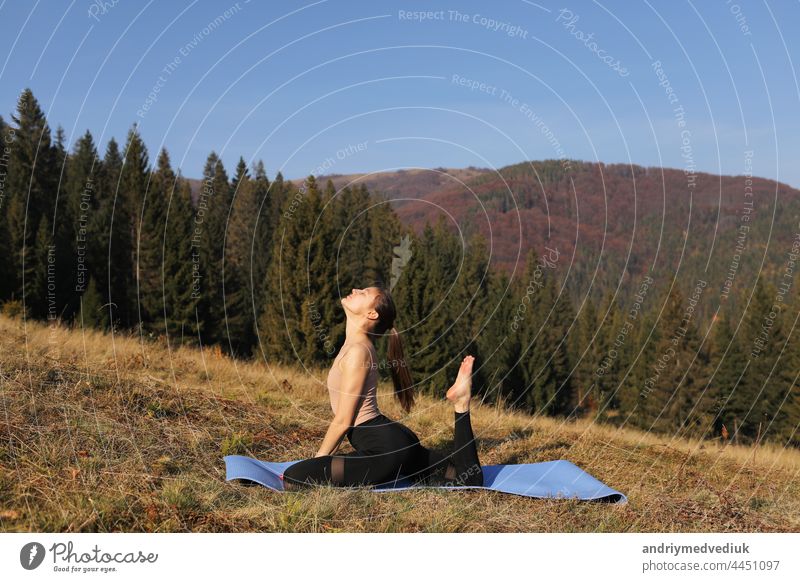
pixel 355 367
pixel 333 438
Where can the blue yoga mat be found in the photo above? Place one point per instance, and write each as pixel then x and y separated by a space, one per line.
pixel 550 479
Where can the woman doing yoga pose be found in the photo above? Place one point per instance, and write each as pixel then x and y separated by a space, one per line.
pixel 385 450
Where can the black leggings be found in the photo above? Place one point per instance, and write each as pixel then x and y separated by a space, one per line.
pixel 386 450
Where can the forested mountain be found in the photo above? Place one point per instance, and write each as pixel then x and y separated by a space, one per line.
pixel 614 223
pixel 634 295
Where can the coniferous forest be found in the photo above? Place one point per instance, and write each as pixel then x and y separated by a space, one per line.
pixel 110 236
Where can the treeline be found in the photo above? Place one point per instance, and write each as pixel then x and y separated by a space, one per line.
pixel 116 243
pixel 258 267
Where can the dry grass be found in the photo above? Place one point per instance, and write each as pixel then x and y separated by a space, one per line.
pixel 114 434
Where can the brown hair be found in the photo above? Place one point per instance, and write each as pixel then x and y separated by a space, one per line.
pixel 401 375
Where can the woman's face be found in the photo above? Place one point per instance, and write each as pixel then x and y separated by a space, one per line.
pixel 360 301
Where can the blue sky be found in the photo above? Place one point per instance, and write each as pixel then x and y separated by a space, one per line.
pixel 342 86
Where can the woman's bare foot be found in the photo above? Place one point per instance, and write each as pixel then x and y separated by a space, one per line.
pixel 461 390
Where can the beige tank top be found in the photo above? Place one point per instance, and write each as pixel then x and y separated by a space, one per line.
pixel 368 404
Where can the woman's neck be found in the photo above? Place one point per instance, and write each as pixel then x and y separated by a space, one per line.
pixel 358 339
pixel 354 333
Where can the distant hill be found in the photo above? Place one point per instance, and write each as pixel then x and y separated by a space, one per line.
pixel 619 221
pixel 405 186
pixel 395 185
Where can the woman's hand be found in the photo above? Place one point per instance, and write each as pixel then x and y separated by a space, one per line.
pixel 321 452
pixel 333 437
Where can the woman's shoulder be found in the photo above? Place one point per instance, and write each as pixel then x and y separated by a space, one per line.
pixel 362 345
pixel 365 348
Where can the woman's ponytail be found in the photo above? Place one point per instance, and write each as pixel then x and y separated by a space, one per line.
pixel 401 376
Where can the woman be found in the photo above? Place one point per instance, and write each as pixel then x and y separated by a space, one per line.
pixel 385 450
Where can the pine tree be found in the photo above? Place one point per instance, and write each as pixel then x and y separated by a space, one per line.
pixel 787 416
pixel 285 292
pixel 498 344
pixel 750 401
pixel 92 314
pixel 616 363
pixel 352 249
pixel 275 196
pixel 239 293
pixel 181 297
pixel 31 186
pixel 6 273
pixel 536 299
pixel 421 298
pixel 562 328
pixel 407 294
pixel 585 349
pixel 436 337
pixel 114 219
pixel 269 199
pixel 39 300
pixel 728 360
pixel 152 246
pixel 544 375
pixel 213 211
pixel 779 357
pixel 646 338
pixel 659 404
pixel 676 399
pixel 386 234
pixel 65 218
pixel 470 304
pixel 81 208
pixel 443 293
pixel 321 309
pixel 241 173
pixel 605 381
pixel 787 424
pixel 696 413
pixel 128 208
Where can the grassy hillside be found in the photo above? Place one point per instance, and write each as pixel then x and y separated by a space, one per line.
pixel 112 434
